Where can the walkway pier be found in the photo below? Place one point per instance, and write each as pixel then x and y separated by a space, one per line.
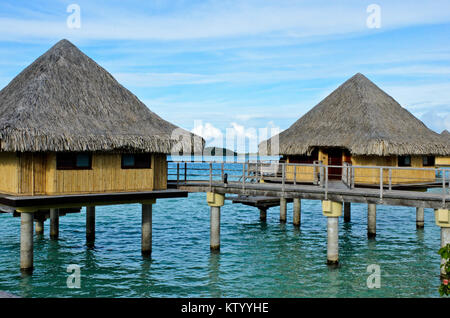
pixel 263 186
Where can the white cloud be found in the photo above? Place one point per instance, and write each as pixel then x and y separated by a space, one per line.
pixel 421 97
pixel 207 131
pixel 436 121
pixel 235 137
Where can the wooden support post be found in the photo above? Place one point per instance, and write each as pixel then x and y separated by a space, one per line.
pixel 54 224
pixel 297 212
pixel 347 211
pixel 420 218
pixel 26 242
pixel 90 225
pixel 215 201
pixel 263 214
pixel 39 226
pixel 215 228
pixel 332 240
pixel 146 235
pixel 332 210
pixel 283 208
pixel 371 220
pixel 295 175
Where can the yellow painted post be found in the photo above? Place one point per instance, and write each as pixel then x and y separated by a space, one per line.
pixel 442 218
pixel 215 201
pixel 332 210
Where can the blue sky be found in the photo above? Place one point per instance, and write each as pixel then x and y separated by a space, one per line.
pixel 245 64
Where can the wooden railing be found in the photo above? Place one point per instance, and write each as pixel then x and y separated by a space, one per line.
pixel 384 178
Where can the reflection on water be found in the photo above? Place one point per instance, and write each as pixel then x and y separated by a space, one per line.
pixel 257 259
pixel 214 275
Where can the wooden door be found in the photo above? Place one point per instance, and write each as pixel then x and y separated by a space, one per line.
pixel 335 159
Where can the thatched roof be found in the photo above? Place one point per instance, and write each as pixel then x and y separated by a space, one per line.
pixel 362 118
pixel 446 135
pixel 64 101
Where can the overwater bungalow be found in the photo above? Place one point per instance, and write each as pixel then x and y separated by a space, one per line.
pixel 68 127
pixel 444 161
pixel 359 124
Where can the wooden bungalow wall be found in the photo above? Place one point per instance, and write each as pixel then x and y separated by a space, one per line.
pixel 367 175
pixel 9 177
pixel 18 175
pixel 372 176
pixel 443 161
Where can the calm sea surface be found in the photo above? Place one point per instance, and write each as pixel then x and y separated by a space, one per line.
pixel 256 260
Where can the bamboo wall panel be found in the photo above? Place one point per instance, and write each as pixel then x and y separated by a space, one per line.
pixel 160 176
pixel 302 173
pixel 106 175
pixel 9 172
pixel 32 173
pixel 442 161
pixel 372 176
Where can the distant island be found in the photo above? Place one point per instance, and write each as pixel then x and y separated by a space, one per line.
pixel 217 151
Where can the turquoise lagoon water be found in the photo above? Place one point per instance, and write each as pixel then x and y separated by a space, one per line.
pixel 256 259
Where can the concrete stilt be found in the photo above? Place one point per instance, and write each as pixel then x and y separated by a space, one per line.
pixel 215 201
pixel 371 220
pixel 297 212
pixel 445 239
pixel 90 225
pixel 347 211
pixel 283 208
pixel 263 214
pixel 39 227
pixel 146 237
pixel 215 228
pixel 332 210
pixel 332 240
pixel 442 218
pixel 420 216
pixel 54 224
pixel 26 241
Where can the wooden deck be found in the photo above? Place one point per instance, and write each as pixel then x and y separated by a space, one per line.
pixel 257 201
pixel 11 203
pixel 336 191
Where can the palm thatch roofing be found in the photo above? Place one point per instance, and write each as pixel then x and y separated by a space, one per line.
pixel 360 117
pixel 64 101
